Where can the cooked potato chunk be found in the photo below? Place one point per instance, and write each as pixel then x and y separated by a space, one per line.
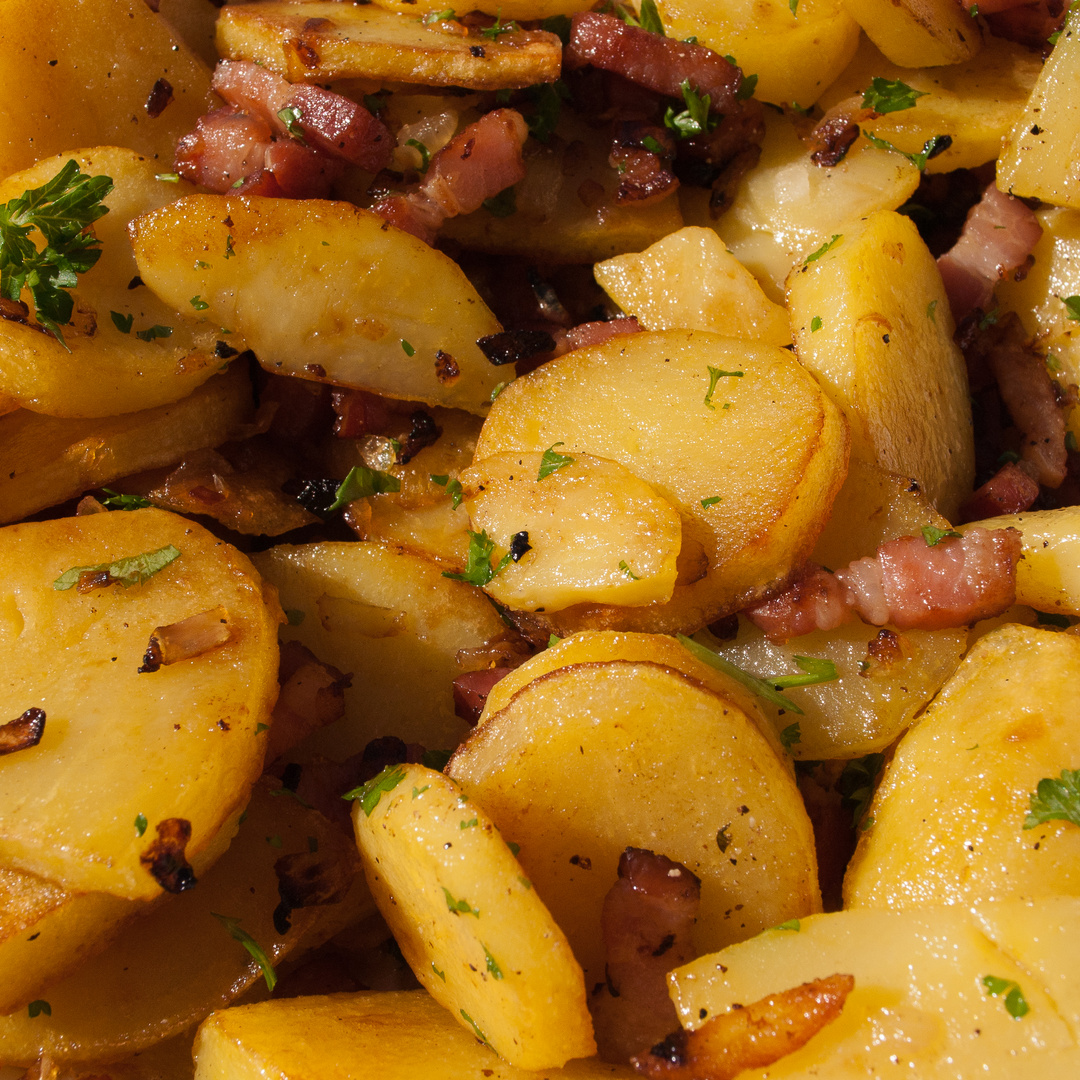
pixel 513 9
pixel 918 33
pixel 176 747
pixel 316 42
pixel 325 291
pixel 623 747
pixel 107 370
pixel 736 436
pixel 950 816
pixel 872 322
pixel 469 923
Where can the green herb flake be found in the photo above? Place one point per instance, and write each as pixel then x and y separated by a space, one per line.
pixel 1055 800
pixel 459 907
pixel 140 824
pixel 933 536
pixel 407 349
pixel 547 99
pixel 624 567
pixel 551 461
pixel 715 375
pixel 793 7
pixel 230 251
pixel 515 849
pixel 435 759
pixel 695 118
pixel 712 500
pixel 1072 307
pixel 758 686
pixel 493 968
pixel 856 786
pixel 815 671
pixel 116 501
pixel 650 144
pixel 936 144
pixel 453 488
pixel 295 616
pixel 370 793
pixel 122 323
pixel 499 388
pixel 423 151
pixel 417 792
pixel 441 974
pixel 374 103
pixel 791 735
pixel 472 1023
pixel 826 247
pixel 649 18
pixel 503 205
pixel 525 882
pixel 36 1008
pixel 198 303
pixel 815 324
pixel 1052 362
pixel 1015 1003
pixel 291 116
pixel 153 332
pixel 931 311
pixel 361 483
pixel 478 568
pixel 884 96
pixel 492 33
pixel 253 947
pixel 791 924
pixel 260 728
pixel 131 570
pixel 989 319
pixel 447 15
pixel 471 824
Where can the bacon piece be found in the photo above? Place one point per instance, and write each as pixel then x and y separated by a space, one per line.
pixel 254 89
pixel 341 127
pixel 836 131
pixel 720 158
pixel 23 732
pixel 226 146
pixel 594 333
pixel 751 1036
pixel 815 601
pixel 1028 24
pixel 660 63
pixel 645 175
pixel 299 171
pixel 646 922
pixel 471 691
pixel 998 236
pixel 1009 491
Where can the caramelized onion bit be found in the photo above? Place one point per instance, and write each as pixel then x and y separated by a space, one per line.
pixel 749 1037
pixel 186 639
pixel 165 859
pixel 308 879
pixel 23 732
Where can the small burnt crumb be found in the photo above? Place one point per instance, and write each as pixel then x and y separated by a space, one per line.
pixel 135 283
pixel 913 486
pixel 467 149
pixel 581 860
pixel 446 368
pixel 151 660
pixel 164 858
pixel 160 96
pixel 519 544
pixel 672 1049
pixel 723 841
pixel 1036 130
pixel 510 346
pixel 23 732
pixel 422 432
pixel 702 1013
pixel 224 725
pixel 885 648
pixel 476 50
pixel 885 338
pixel 664 945
pixel 307 54
pixel 316 369
pixel 224 351
pixel 744 809
pixel 315 495
pixel 290 775
pixel 943 143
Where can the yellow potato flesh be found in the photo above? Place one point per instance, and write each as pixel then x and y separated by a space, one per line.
pixel 179 742
pixel 689 279
pixel 590 758
pixel 403 1035
pixel 918 997
pixel 106 372
pixel 883 351
pixel 918 33
pixel 370 42
pixel 80 73
pixel 1041 155
pixel 323 290
pixel 598 534
pixel 512 9
pixel 469 922
pixel 949 812
pixel 767 443
pixel 395 623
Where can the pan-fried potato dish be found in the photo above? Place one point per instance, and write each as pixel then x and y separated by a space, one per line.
pixel 539 540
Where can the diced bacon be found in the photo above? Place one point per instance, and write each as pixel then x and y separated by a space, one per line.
pixel 593 333
pixel 660 63
pixel 254 89
pixel 300 172
pixel 1009 491
pixel 471 691
pixel 998 236
pixel 816 601
pixel 1028 24
pixel 834 133
pixel 341 127
pixel 646 922
pixel 225 147
pixel 413 213
pixel 645 176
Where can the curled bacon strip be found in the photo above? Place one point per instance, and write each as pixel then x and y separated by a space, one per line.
pixel 23 732
pixel 908 583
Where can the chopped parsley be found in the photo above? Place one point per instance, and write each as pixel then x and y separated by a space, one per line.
pixel 650 144
pixel 36 1008
pixel 361 483
pixel 884 96
pixel 856 785
pixel 648 19
pixel 152 332
pixel 499 388
pixel 624 567
pixel 815 324
pixel 370 793
pixel 230 251
pixel 253 947
pixel 547 99
pixel 459 907
pixel 472 1023
pixel 492 32
pixel 116 501
pixel 492 966
pixel 453 488
pixel 441 974
pixel 470 824
pixel 435 759
pixel 695 118
pixel 933 536
pixel 407 349
pixel 936 144
pixel 826 247
pixel 1072 307
pixel 60 210
pixel 418 791
pixel 502 205
pixel 423 151
pixel 550 461
pixel 123 323
pixel 448 15
pixel 791 924
pixel 478 568
pixel 131 570
pixel 140 824
pixel 712 500
pixel 294 616
pixel 198 303
pixel 791 735
pixel 1055 800
pixel 291 116
pixel 931 311
pixel 989 319
pixel 1015 1003
pixel 715 375
pixel 793 7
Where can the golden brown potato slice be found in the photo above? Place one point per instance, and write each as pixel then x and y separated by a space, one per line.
pixel 178 746
pixel 1041 155
pixel 395 623
pixel 325 291
pixel 920 996
pixel 404 1035
pixel 950 814
pixel 690 280
pixel 468 921
pixel 50 460
pixel 174 965
pixel 918 33
pixel 588 758
pixel 872 322
pixel 513 9
pixel 82 75
pixel 736 436
pixel 316 42
pixel 106 371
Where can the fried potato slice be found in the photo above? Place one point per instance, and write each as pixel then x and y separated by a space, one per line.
pixel 512 9
pixel 918 33
pixel 403 1035
pixel 317 42
pixel 325 291
pixel 50 460
pixel 82 75
pixel 617 742
pixel 177 746
pixel 106 371
pixel 469 923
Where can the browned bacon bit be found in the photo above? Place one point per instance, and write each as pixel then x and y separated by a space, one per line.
pixel 341 127
pixel 751 1036
pixel 187 639
pixel 832 138
pixel 594 333
pixel 471 691
pixel 646 922
pixel 998 236
pixel 718 159
pixel 161 94
pixel 510 346
pixel 1009 491
pixel 312 696
pixel 816 600
pixel 643 152
pixel 226 147
pixel 660 63
pixel 309 879
pixel 23 732
pixel 89 580
pixel 165 858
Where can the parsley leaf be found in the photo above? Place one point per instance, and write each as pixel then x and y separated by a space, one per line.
pixel 361 483
pixel 253 947
pixel 791 735
pixel 791 924
pixel 132 570
pixel 816 671
pixel 712 500
pixel 1072 307
pixel 493 968
pixel 449 15
pixel 492 32
pixel 1015 1003
pixel 815 324
pixel 116 501
pixel 1055 800
pixel 933 146
pixel 931 311
pixel 370 793
pixel 291 116
pixel 715 375
pixel 453 488
pixel 650 18
pixel 650 144
pixel 934 536
pixel 548 99
pixel 478 568
pixel 459 907
pixel 751 682
pixel 856 784
pixel 826 247
pixel 625 568
pixel 60 210
pixel 476 1030
pixel 884 96
pixel 140 824
pixel 152 332
pixel 36 1008
pixel 550 461
pixel 695 118
pixel 122 322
